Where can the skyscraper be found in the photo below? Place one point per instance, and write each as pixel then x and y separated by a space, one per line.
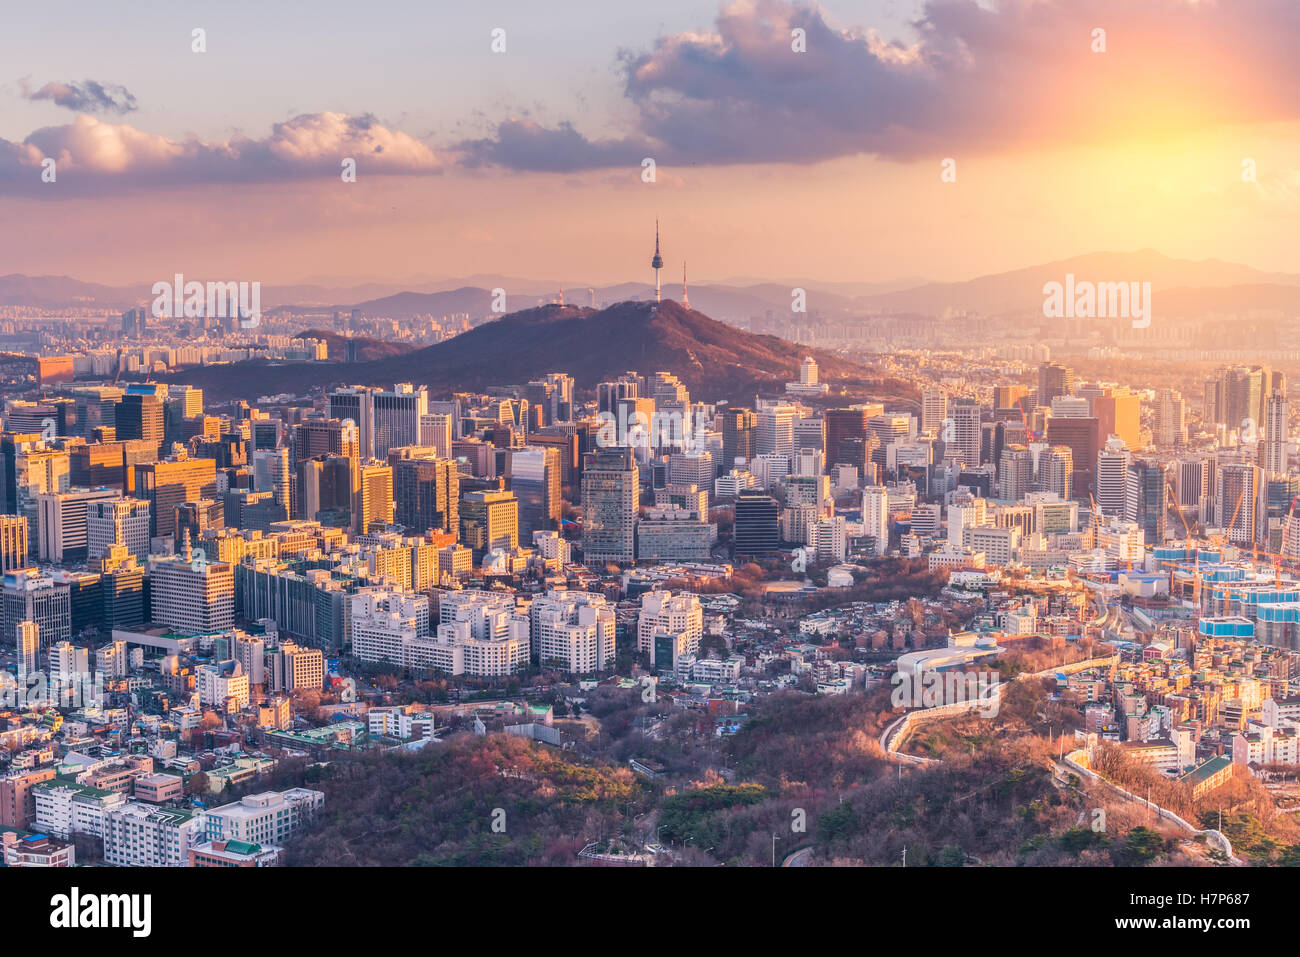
pixel 934 409
pixel 1080 436
pixel 757 530
pixel 610 496
pixel 775 431
pixel 13 542
pixel 1169 419
pixel 1056 470
pixel 426 490
pixel 140 414
pixel 172 482
pixel 27 595
pixel 1276 435
pixel 1118 413
pixel 1147 499
pixel 374 497
pixel 966 432
pixel 738 428
pixel 271 473
pixel 1053 380
pixel 489 521
pixel 1112 477
pixel 1238 487
pixel 325 490
pixel 396 416
pixel 61 525
pixel 534 476
pixel 355 404
pixel 1015 472
pixel 875 516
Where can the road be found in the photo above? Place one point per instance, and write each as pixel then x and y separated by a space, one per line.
pixel 798 858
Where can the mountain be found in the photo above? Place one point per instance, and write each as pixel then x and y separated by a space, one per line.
pixel 1180 283
pixel 367 350
pixel 716 361
pixel 1021 290
pixel 53 292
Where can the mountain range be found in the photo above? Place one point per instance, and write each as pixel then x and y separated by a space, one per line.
pixel 1180 283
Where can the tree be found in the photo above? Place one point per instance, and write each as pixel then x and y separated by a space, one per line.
pixel 1141 845
pixel 197 784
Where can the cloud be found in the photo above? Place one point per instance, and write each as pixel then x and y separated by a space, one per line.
pixel 525 145
pixel 88 96
pixel 977 79
pixel 93 156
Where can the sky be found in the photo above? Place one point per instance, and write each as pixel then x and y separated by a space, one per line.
pixel 943 139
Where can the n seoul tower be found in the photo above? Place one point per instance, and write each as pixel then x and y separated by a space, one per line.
pixel 658 262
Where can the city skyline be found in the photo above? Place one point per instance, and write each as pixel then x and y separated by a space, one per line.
pixel 375 492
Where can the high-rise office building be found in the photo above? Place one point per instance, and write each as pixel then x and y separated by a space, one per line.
pixel 325 490
pixel 140 414
pixel 1015 473
pixel 436 432
pixel 610 496
pixel 315 437
pixel 533 474
pixel 13 542
pixel 846 424
pixel 172 482
pixel 108 464
pixel 934 409
pixel 1081 437
pixel 396 417
pixel 1112 476
pixel 29 595
pixel 426 490
pixel 373 499
pixel 1147 499
pixel 271 474
pixel 757 528
pixel 775 431
pixel 1118 412
pixel 489 521
pixel 1238 494
pixel 1056 470
pixel 189 596
pixel 875 516
pixel 966 438
pixel 62 523
pixel 1169 419
pixel 1276 435
pixel 738 439
pixel 1053 380
pixel 354 405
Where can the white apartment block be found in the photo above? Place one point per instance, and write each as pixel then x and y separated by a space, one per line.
pixel 573 631
pixel 222 685
pixel 713 671
pixel 143 835
pixel 677 614
pixel 64 808
pixel 267 818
